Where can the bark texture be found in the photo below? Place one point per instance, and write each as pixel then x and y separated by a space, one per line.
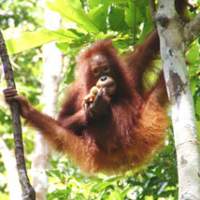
pixel 28 192
pixel 172 47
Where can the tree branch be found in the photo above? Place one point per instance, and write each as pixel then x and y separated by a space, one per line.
pixel 27 190
pixel 192 29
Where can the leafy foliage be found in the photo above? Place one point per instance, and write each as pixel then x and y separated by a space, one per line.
pixel 14 13
pixel 127 22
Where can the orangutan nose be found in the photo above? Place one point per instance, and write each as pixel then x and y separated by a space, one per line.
pixel 103 78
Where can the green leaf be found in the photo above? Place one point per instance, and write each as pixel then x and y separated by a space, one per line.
pixel 28 40
pixel 73 12
pixel 198 129
pixel 117 19
pixel 100 186
pixel 92 4
pixel 115 195
pixel 193 55
pixel 130 14
pixel 98 15
pixel 197 106
pixel 193 84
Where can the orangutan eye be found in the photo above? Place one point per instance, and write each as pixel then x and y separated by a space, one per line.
pixel 106 69
pixel 96 72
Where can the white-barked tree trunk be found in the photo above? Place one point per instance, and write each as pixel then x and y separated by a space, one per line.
pixel 52 66
pixel 174 36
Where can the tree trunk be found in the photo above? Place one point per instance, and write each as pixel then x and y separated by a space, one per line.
pixel 51 76
pixel 9 161
pixel 172 47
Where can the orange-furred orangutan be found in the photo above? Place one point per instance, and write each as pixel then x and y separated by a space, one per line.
pixel 108 122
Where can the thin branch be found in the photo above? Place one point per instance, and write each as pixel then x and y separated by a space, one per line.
pixel 27 190
pixel 192 29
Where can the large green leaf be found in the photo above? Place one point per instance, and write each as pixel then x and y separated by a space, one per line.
pixel 117 19
pixel 28 40
pixel 98 15
pixel 73 12
pixel 93 4
pixel 96 3
pixel 130 14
